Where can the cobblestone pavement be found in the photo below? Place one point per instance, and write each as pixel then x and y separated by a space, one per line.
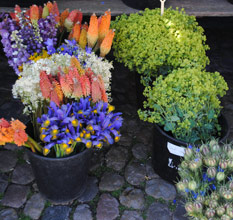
pixel 122 184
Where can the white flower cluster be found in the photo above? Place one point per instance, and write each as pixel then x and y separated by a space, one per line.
pixel 100 66
pixel 27 87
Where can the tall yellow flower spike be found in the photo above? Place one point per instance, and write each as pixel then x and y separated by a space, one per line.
pixel 83 36
pixel 105 46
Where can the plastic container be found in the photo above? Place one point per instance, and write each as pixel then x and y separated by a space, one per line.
pixel 141 5
pixel 168 151
pixel 61 179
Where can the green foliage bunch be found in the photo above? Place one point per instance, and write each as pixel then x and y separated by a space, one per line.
pixel 153 44
pixel 186 102
pixel 206 181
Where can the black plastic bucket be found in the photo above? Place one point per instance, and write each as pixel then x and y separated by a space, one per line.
pixel 61 179
pixel 142 4
pixel 168 151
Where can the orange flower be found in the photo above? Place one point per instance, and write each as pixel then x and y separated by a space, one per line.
pixel 64 15
pixel 72 18
pixel 104 25
pixel 105 46
pixel 92 33
pixel 55 11
pixel 20 137
pixel 74 62
pixel 83 36
pixel 49 6
pixel 4 123
pixel 76 31
pixel 18 125
pixel 34 13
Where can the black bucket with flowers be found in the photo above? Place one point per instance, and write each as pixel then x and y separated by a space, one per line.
pixel 65 88
pixel 185 108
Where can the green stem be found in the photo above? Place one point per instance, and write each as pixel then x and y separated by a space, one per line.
pixel 35 144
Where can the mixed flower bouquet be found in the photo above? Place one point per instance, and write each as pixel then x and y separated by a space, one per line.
pixel 26 33
pixel 207 181
pixel 63 84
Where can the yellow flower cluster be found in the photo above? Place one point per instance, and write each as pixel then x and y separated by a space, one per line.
pixel 35 57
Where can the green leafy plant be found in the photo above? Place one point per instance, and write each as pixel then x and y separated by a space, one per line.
pixel 207 181
pixel 153 44
pixel 186 103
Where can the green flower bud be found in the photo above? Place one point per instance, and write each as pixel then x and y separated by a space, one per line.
pixel 227 194
pixel 215 196
pixel 211 172
pixel 215 148
pixel 204 149
pixel 189 207
pixel 231 185
pixel 230 164
pixel 213 142
pixel 181 186
pixel 223 164
pixel 198 206
pixel 220 210
pixel 210 213
pixel 213 204
pixel 188 153
pixel 192 185
pixel 230 153
pixel 200 199
pixel 230 212
pixel 225 217
pixel 220 176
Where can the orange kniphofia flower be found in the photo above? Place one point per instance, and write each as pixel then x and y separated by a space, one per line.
pixel 40 11
pixel 76 31
pixel 92 33
pixel 49 6
pixel 63 16
pixel 55 11
pixel 104 25
pixel 34 13
pixel 83 36
pixel 13 14
pixel 72 19
pixel 58 90
pixel 66 85
pixel 75 63
pixel 105 46
pixel 45 84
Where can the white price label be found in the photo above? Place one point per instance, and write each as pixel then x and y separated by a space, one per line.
pixel 176 150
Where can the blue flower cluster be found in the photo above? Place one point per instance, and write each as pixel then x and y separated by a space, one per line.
pixel 79 122
pixel 70 47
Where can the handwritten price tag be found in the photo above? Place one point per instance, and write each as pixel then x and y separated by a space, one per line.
pixel 176 150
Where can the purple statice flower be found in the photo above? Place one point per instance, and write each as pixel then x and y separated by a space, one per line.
pixel 83 122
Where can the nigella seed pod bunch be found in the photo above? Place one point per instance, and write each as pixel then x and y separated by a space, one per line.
pixel 207 180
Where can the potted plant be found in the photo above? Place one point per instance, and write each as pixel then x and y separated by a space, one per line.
pixel 207 181
pixel 65 90
pixel 151 45
pixel 185 108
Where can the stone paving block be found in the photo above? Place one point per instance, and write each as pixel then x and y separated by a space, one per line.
pixel 116 158
pixel 140 151
pixel 82 212
pixel 22 174
pixel 91 190
pixel 150 173
pixel 8 214
pixel 56 213
pixel 180 212
pixel 15 196
pixel 159 188
pixel 131 215
pixel 107 208
pixel 125 140
pixel 158 211
pixel 135 173
pixel 34 206
pixel 8 160
pixel 132 198
pixel 111 181
pixel 3 182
